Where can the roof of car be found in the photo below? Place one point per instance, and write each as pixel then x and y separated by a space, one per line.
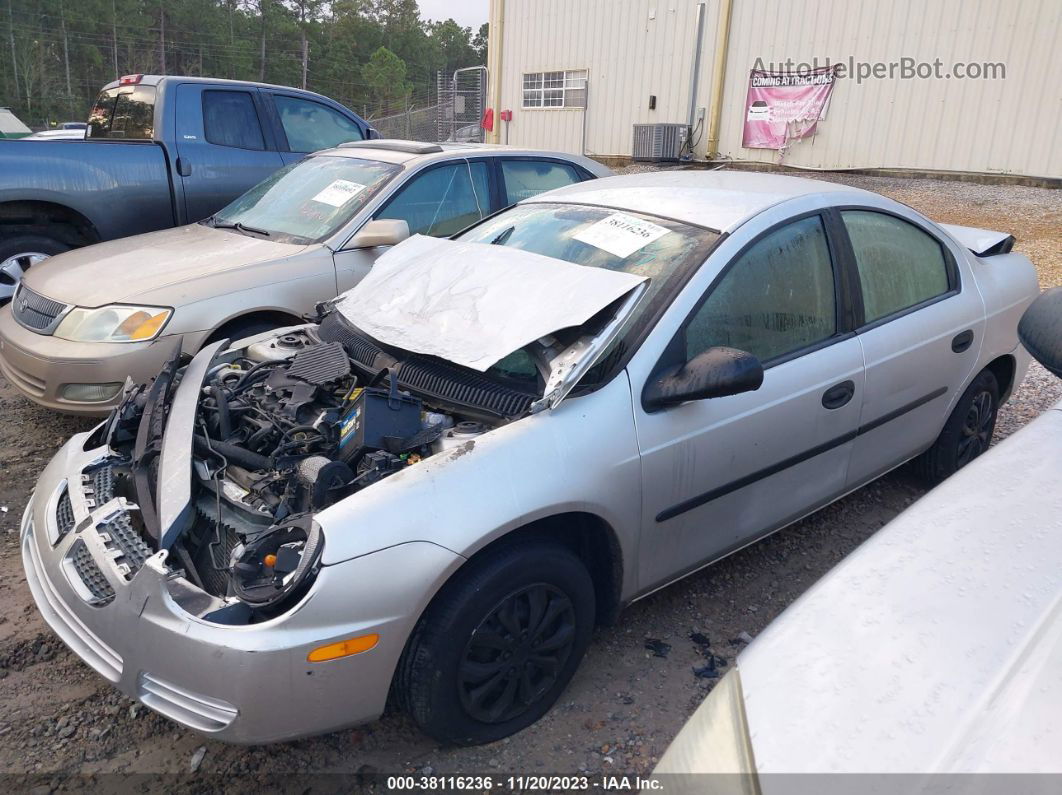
pixel 719 200
pixel 401 152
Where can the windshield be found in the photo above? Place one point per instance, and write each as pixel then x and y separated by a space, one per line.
pixel 307 201
pixel 635 243
pixel 597 237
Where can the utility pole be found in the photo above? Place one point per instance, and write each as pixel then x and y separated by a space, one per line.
pixel 14 57
pixel 114 35
pixel 162 39
pixel 66 49
pixel 305 56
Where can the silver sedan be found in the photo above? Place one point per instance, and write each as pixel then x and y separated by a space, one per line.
pixel 495 442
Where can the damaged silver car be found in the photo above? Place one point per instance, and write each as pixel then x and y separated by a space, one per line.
pixel 429 497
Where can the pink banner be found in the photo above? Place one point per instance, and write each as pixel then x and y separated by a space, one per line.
pixel 782 106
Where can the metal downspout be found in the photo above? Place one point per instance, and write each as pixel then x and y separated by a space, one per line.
pixel 495 39
pixel 722 43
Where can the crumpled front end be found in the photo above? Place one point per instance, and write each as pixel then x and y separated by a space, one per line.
pixel 139 623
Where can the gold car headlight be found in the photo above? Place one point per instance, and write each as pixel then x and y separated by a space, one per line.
pixel 113 323
pixel 715 740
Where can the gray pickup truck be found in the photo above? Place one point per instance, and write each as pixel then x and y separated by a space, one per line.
pixel 159 152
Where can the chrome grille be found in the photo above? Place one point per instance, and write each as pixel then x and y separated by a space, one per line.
pixel 34 311
pixel 90 574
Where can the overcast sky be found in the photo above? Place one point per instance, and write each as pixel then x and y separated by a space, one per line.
pixel 467 13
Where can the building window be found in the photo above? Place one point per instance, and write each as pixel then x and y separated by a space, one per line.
pixel 555 89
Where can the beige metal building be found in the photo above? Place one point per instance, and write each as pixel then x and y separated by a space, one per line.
pixel 578 74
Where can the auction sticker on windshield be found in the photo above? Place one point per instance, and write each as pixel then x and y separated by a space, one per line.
pixel 339 192
pixel 620 234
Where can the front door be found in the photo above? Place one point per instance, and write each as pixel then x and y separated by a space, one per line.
pixel 222 147
pixel 719 473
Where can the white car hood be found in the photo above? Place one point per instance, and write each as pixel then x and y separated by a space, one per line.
pixel 936 647
pixel 474 303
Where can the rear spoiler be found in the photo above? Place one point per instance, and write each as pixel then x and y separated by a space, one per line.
pixel 982 242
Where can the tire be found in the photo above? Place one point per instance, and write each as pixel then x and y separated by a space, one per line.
pixel 456 677
pixel 967 433
pixel 18 254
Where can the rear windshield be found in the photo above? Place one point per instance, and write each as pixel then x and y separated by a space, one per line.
pixel 125 112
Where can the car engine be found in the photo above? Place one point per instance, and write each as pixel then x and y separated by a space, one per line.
pixel 285 428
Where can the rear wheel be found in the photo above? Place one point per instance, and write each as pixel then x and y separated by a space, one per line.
pixel 967 433
pixel 499 645
pixel 20 253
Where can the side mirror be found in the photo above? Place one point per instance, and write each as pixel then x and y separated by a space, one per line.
pixel 717 372
pixel 1040 330
pixel 381 232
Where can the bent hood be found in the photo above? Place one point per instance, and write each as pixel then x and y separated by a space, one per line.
pixel 122 270
pixel 474 303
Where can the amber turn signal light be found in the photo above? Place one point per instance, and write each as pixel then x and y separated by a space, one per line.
pixel 344 648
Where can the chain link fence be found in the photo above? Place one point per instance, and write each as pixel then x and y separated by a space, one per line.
pixel 460 100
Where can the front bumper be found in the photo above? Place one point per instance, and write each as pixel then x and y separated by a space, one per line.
pixel 245 684
pixel 42 366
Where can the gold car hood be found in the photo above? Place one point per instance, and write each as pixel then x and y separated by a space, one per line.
pixel 123 270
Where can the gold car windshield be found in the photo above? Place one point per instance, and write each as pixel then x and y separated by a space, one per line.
pixel 307 201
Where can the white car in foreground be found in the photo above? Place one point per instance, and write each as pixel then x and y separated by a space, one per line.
pixel 494 442
pixel 934 648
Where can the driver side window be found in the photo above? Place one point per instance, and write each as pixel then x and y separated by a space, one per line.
pixel 443 200
pixel 776 298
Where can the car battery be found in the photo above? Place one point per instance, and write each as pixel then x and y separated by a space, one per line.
pixel 377 419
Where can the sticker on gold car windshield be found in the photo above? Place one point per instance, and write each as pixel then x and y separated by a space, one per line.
pixel 620 234
pixel 339 193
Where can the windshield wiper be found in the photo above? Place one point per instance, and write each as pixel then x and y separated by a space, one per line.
pixel 503 236
pixel 239 227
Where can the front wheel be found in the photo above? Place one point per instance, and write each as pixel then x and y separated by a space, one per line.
pixel 498 646
pixel 967 433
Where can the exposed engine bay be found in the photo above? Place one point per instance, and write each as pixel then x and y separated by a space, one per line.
pixel 283 429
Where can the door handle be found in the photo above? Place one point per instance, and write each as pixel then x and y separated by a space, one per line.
pixel 837 396
pixel 962 342
pixel 184 168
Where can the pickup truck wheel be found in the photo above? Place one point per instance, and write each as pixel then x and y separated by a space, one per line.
pixel 967 433
pixel 19 254
pixel 496 649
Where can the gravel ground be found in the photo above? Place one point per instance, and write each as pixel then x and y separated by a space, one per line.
pixel 624 705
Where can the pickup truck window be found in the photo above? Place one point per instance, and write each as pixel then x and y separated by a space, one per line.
pixel 124 112
pixel 229 119
pixel 307 201
pixel 311 126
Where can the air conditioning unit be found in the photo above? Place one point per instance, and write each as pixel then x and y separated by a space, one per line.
pixel 658 142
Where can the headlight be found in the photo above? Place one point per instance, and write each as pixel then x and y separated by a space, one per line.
pixel 714 740
pixel 114 323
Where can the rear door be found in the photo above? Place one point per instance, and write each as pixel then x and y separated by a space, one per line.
pixel 524 177
pixel 920 328
pixel 223 147
pixel 305 125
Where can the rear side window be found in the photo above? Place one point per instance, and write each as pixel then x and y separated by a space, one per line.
pixel 899 264
pixel 124 112
pixel 310 126
pixel 527 178
pixel 230 119
pixel 443 200
pixel 776 298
